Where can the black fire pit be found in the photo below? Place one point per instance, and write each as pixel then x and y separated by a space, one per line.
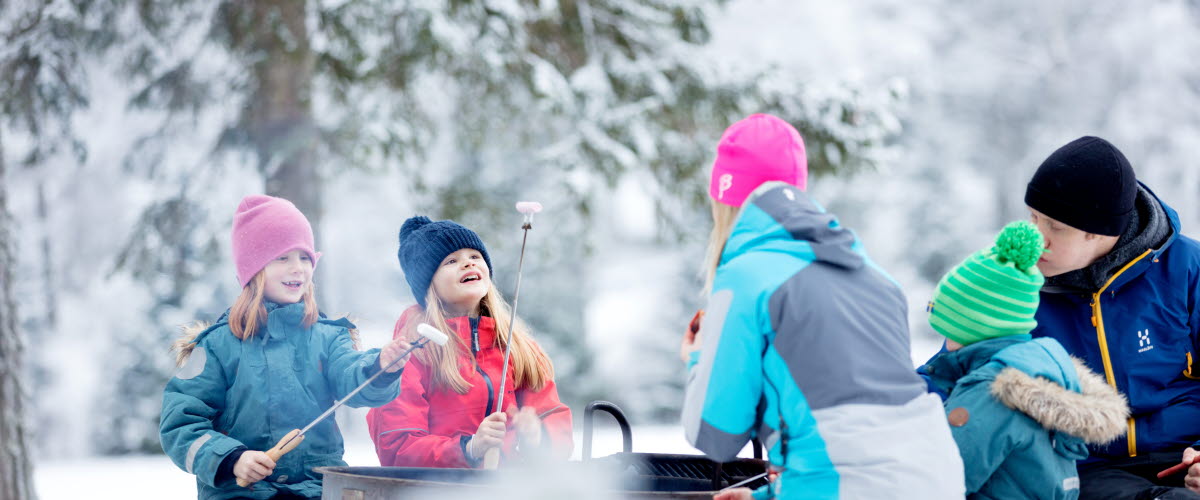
pixel 639 475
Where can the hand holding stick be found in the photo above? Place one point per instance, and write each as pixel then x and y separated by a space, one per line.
pixel 1182 466
pixel 293 438
pixel 289 442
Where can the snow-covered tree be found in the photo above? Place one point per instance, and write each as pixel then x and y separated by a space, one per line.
pixel 41 87
pixel 473 104
pixel 536 97
pixel 16 478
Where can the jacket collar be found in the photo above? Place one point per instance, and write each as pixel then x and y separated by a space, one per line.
pixel 484 333
pixel 1038 378
pixel 949 366
pixel 282 319
pixel 1154 228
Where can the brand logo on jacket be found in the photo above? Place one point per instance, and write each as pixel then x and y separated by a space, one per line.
pixel 1144 340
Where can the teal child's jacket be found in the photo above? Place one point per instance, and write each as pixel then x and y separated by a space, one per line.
pixel 231 393
pixel 1022 412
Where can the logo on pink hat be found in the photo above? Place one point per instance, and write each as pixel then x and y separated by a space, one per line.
pixel 726 182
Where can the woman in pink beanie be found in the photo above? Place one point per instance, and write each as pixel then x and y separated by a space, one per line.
pixel 804 343
pixel 272 363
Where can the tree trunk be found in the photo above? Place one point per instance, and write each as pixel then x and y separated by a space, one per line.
pixel 279 114
pixel 16 469
pixel 51 299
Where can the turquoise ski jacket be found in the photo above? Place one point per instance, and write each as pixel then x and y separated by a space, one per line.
pixel 805 345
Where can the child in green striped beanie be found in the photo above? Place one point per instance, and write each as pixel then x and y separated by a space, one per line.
pixel 994 293
pixel 1021 409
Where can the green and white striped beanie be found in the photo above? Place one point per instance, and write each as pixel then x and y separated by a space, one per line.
pixel 994 293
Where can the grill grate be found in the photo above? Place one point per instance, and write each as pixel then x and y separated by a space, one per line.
pixel 691 467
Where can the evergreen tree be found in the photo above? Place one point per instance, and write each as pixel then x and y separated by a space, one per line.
pixel 536 97
pixel 41 87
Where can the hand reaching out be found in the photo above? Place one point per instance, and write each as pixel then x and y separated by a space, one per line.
pixel 528 426
pixel 392 351
pixel 691 339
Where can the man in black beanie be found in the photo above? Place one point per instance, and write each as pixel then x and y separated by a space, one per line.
pixel 1122 292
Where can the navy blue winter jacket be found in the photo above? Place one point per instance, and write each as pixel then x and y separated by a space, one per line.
pixel 1140 331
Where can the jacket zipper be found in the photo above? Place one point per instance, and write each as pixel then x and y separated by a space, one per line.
pixel 1098 322
pixel 488 380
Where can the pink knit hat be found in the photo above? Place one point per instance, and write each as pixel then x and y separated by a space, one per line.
pixel 264 228
pixel 755 150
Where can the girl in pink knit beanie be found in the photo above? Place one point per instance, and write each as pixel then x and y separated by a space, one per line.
pixel 757 149
pixel 272 363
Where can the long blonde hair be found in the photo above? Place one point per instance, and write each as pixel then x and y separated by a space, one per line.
pixel 248 311
pixel 724 217
pixel 531 368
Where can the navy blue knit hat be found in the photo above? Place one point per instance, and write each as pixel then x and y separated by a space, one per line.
pixel 423 245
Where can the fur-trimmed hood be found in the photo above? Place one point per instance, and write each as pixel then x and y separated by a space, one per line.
pixel 1038 378
pixel 189 336
pixel 1096 414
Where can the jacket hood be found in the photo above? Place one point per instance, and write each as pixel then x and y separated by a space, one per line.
pixel 945 369
pixel 191 333
pixel 777 216
pixel 1038 378
pixel 1064 396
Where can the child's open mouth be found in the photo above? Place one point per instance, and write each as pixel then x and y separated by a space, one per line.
pixel 293 285
pixel 471 276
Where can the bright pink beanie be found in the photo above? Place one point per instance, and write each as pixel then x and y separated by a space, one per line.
pixel 264 228
pixel 755 150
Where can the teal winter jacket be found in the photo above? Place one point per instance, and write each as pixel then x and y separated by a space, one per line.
pixel 1022 412
pixel 229 394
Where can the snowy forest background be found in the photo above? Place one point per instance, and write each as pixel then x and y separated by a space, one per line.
pixel 129 130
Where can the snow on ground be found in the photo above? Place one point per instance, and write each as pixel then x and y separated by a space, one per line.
pixel 155 477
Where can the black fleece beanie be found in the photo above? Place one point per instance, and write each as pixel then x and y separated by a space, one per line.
pixel 1087 184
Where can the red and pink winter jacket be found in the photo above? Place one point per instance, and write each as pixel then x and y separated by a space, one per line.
pixel 427 427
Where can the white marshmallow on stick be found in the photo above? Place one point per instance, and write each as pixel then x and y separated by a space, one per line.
pixel 528 208
pixel 433 334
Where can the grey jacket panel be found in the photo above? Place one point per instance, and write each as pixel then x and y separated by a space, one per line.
pixel 856 319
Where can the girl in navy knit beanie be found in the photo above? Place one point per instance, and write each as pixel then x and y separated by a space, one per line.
pixel 446 414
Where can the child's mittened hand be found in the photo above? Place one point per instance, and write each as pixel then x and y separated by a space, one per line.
pixel 735 494
pixel 528 426
pixel 392 351
pixel 489 435
pixel 253 466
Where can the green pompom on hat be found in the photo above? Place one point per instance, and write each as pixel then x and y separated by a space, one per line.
pixel 994 293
